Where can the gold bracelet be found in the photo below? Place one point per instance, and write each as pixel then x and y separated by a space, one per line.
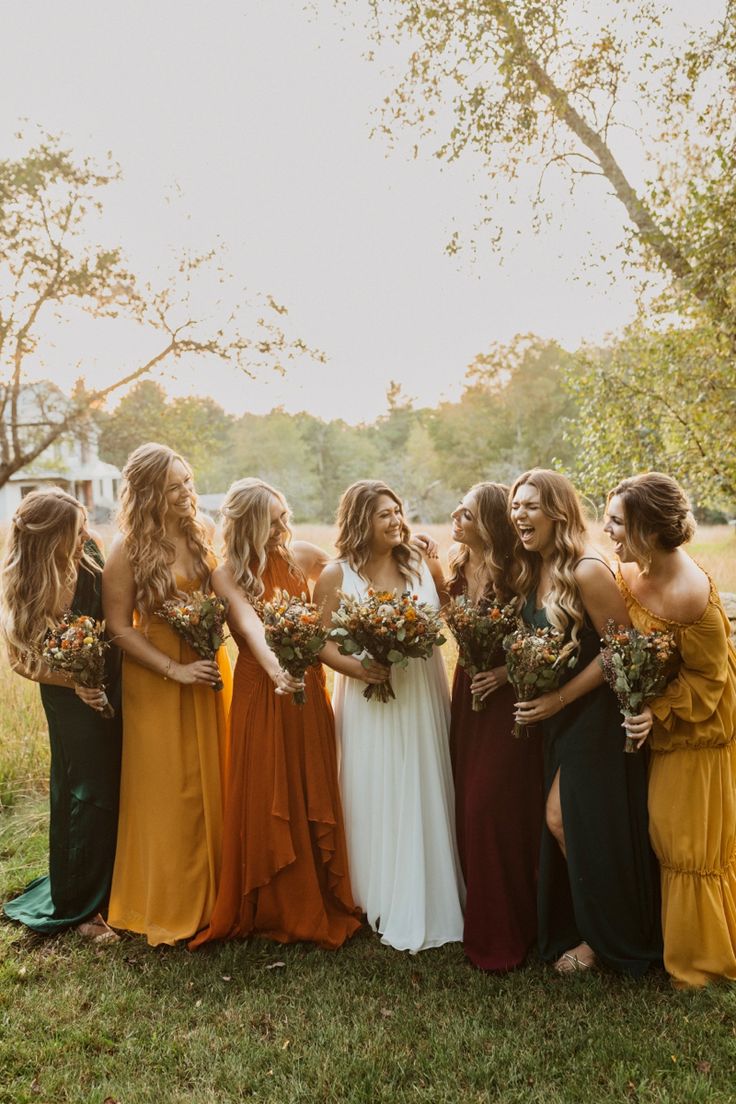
pixel 167 668
pixel 559 695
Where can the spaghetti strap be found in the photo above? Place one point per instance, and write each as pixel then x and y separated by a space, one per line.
pixel 597 560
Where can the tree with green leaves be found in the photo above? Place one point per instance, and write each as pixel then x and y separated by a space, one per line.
pixel 553 85
pixel 512 414
pixel 663 401
pixel 563 88
pixel 195 426
pixel 51 266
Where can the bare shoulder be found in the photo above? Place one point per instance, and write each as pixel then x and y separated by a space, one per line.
pixel 330 580
pixel 593 571
pixel 117 561
pixel 308 556
pixel 691 592
pixel 331 574
pixel 306 548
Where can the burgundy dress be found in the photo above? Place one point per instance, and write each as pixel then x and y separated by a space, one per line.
pixel 499 803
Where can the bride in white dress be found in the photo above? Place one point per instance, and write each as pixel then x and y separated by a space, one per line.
pixel 395 773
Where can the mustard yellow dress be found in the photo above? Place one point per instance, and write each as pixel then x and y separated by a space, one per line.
pixel 692 794
pixel 170 830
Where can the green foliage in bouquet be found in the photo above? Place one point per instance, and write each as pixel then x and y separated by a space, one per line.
pixel 294 633
pixel 479 630
pixel 200 621
pixel 536 660
pixel 391 628
pixel 77 647
pixel 637 666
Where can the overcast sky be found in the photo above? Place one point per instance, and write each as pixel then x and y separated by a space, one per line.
pixel 249 123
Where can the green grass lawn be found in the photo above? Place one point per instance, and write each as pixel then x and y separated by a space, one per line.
pixel 259 1021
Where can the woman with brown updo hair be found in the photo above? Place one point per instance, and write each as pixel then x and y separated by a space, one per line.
pixel 285 867
pixel 174 729
pixel 598 882
pixel 499 791
pixel 53 565
pixel 690 727
pixel 395 772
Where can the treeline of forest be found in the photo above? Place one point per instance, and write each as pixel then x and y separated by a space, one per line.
pixel 524 405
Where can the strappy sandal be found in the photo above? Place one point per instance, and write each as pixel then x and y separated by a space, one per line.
pixel 97 931
pixel 569 963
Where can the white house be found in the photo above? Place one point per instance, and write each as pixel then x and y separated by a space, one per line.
pixel 73 464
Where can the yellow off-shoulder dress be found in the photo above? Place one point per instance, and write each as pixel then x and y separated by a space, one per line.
pixel 692 794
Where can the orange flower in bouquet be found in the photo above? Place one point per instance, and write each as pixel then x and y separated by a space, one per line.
pixel 536 660
pixel 637 666
pixel 479 631
pixel 77 647
pixel 200 620
pixel 387 627
pixel 294 633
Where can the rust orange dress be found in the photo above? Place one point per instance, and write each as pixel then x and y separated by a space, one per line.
pixel 284 869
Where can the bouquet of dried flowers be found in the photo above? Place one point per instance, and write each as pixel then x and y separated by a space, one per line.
pixel 637 666
pixel 200 620
pixel 391 628
pixel 294 633
pixel 536 660
pixel 77 646
pixel 479 631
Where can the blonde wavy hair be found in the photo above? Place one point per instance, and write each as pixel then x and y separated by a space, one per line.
pixel 142 524
pixel 491 508
pixel 38 568
pixel 355 528
pixel 559 501
pixel 246 529
pixel 656 512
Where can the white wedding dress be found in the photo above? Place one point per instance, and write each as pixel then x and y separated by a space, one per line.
pixel 398 798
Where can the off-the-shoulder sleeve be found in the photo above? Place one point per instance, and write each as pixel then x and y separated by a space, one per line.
pixel 689 709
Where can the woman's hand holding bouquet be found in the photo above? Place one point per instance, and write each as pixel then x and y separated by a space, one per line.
pixel 479 630
pixel 200 621
pixel 637 666
pixel 385 628
pixel 536 661
pixel 76 647
pixel 296 635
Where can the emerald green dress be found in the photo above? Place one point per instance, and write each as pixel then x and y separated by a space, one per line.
pixel 85 772
pixel 607 893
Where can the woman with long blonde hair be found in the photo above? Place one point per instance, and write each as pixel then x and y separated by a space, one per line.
pixel 395 772
pixel 174 728
pixel 284 871
pixel 53 565
pixel 598 896
pixel 690 726
pixel 499 793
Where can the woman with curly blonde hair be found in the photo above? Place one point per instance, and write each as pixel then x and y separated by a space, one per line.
pixel 285 869
pixel 174 728
pixel 598 880
pixel 53 565
pixel 499 794
pixel 395 773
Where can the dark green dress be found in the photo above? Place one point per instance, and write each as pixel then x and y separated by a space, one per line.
pixel 607 893
pixel 85 773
